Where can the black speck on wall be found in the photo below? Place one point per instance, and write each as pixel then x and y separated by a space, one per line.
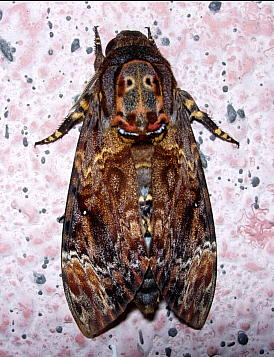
pixel 215 6
pixel 231 113
pixel 75 45
pixel 6 50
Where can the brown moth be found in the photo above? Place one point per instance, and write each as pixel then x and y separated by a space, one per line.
pixel 138 223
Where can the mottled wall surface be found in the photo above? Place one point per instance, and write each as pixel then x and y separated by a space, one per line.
pixel 221 53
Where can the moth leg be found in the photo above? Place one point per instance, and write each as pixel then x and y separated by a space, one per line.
pixel 76 115
pixel 202 117
pixel 61 219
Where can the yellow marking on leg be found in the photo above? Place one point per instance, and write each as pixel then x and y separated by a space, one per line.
pixel 57 134
pixel 218 131
pixel 53 137
pixel 77 115
pixel 84 104
pixel 197 114
pixel 189 103
pixel 141 199
pixel 223 135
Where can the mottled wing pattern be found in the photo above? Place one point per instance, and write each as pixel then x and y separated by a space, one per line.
pixel 103 252
pixel 183 245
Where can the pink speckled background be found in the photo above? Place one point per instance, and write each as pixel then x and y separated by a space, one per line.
pixel 37 90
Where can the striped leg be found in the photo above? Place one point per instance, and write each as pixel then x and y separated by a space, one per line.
pixel 76 115
pixel 81 107
pixel 202 117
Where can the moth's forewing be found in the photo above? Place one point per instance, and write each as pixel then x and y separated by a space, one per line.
pixel 183 242
pixel 103 253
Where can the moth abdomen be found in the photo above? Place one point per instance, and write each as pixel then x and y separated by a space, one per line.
pixel 148 296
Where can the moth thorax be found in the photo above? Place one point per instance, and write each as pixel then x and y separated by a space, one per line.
pixel 139 104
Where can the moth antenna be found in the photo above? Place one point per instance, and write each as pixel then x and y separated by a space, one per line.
pixel 99 57
pixel 149 36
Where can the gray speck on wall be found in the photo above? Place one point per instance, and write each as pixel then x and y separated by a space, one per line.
pixel 255 181
pixel 7 135
pixel 203 159
pixel 231 113
pixel 165 41
pixel 75 45
pixel 39 278
pixel 6 50
pixel 25 142
pixel 215 6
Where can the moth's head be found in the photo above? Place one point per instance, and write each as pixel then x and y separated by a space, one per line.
pixel 130 38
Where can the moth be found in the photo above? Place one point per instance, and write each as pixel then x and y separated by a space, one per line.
pixel 138 223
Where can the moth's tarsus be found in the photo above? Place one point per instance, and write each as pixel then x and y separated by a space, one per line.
pixel 61 219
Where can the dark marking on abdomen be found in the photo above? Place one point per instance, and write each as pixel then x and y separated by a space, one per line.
pixel 148 296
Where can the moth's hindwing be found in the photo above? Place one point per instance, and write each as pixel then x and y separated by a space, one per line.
pixel 183 241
